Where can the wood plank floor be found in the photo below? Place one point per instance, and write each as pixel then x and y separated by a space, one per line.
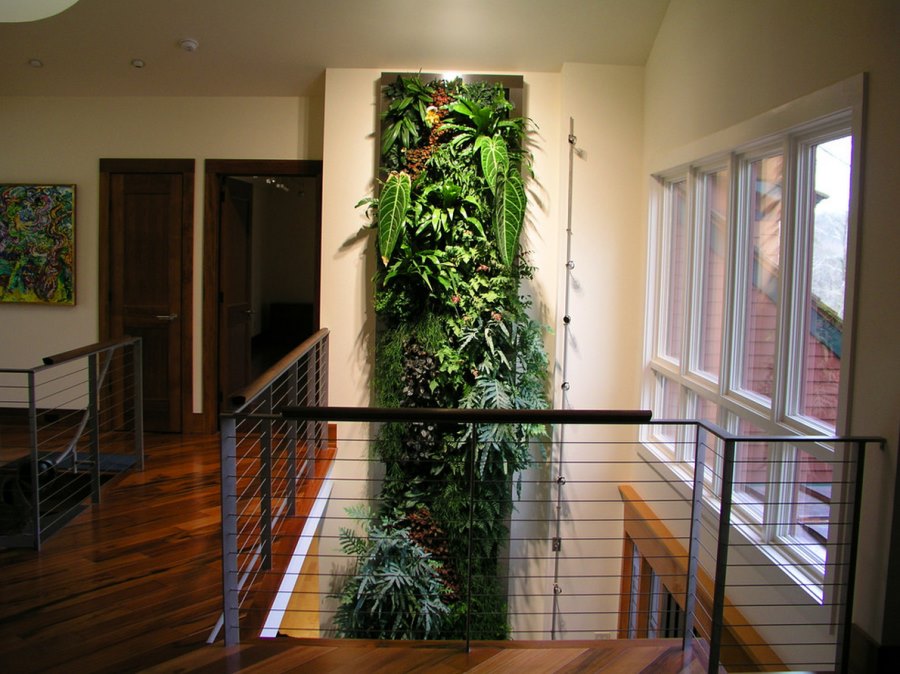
pixel 133 584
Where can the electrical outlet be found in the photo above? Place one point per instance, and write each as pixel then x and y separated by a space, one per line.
pixel 603 636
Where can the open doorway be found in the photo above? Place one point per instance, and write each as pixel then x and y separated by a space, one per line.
pixel 261 268
pixel 285 259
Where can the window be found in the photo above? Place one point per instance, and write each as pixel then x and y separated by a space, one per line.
pixel 747 319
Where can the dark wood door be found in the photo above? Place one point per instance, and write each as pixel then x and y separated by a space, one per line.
pixel 146 284
pixel 235 301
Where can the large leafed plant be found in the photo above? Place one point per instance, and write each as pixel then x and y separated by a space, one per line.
pixel 454 331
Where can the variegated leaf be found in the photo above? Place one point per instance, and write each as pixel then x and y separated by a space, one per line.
pixel 509 217
pixel 494 159
pixel 392 207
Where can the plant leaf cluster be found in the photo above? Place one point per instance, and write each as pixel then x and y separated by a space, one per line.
pixel 396 591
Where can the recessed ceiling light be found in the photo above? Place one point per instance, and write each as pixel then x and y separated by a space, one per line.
pixel 188 44
pixel 35 63
pixel 137 63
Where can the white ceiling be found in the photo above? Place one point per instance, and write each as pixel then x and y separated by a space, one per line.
pixel 281 47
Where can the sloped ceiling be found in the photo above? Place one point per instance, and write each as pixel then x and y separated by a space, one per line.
pixel 282 47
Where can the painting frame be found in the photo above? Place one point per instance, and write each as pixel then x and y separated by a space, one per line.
pixel 37 243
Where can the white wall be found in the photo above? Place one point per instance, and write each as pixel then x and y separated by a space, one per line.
pixel 63 139
pixel 601 350
pixel 717 63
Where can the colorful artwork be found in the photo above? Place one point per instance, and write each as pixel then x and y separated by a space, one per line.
pixel 37 243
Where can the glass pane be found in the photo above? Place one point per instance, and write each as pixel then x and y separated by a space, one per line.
pixel 810 499
pixel 825 301
pixel 751 467
pixel 676 251
pixel 667 394
pixel 763 274
pixel 712 280
pixel 707 410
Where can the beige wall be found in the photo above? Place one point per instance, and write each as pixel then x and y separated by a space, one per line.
pixel 606 290
pixel 717 63
pixel 600 352
pixel 62 140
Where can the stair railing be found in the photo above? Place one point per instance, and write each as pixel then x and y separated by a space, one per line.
pixel 68 425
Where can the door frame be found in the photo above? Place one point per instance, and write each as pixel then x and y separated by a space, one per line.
pixel 215 171
pixel 185 167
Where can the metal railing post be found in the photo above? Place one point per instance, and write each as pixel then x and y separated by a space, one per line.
pixel 94 423
pixel 718 607
pixel 471 472
pixel 265 492
pixel 321 389
pixel 690 593
pixel 229 531
pixel 137 355
pixel 842 654
pixel 292 477
pixel 312 399
pixel 35 472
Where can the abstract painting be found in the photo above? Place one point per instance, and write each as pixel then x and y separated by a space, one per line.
pixel 37 243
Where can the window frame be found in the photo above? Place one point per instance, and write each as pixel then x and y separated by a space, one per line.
pixel 791 130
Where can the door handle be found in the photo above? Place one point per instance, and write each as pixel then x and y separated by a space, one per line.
pixel 166 317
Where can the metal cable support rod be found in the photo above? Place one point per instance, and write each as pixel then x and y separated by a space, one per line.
pixel 567 319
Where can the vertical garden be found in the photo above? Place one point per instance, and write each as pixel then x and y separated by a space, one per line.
pixel 453 331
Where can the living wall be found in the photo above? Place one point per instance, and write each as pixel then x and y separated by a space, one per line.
pixel 453 331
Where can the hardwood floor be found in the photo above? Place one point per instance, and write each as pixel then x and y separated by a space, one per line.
pixel 348 657
pixel 129 583
pixel 133 584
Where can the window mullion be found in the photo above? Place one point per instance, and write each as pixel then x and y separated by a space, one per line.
pixel 689 281
pixel 729 308
pixel 790 283
pixel 738 273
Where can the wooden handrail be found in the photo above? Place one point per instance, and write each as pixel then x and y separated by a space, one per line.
pixel 461 415
pixel 83 351
pixel 668 558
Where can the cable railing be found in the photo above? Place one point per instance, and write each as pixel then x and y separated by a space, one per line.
pixel 271 470
pixel 743 548
pixel 66 427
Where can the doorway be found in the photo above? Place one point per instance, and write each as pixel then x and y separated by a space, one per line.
pixel 262 235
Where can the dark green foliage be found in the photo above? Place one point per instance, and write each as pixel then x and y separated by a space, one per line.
pixel 453 331
pixel 396 591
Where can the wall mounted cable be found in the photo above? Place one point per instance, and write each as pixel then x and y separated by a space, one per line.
pixel 556 543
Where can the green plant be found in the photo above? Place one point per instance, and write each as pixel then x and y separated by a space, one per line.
pixel 453 331
pixel 396 590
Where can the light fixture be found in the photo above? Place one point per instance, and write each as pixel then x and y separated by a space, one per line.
pixel 188 44
pixel 35 63
pixel 277 184
pixel 20 11
pixel 137 63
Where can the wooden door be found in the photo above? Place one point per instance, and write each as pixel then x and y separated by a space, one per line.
pixel 145 249
pixel 235 308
